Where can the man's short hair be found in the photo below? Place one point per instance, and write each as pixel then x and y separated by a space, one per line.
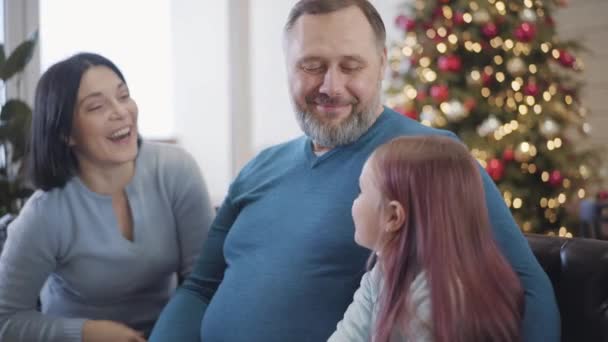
pixel 314 7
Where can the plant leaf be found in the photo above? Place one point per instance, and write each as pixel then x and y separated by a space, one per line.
pixel 19 58
pixel 13 109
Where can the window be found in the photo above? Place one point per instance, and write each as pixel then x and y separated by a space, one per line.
pixel 134 34
pixel 2 90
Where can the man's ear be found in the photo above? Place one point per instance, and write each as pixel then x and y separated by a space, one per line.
pixel 395 217
pixel 383 63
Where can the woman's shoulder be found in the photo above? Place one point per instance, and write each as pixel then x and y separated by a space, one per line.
pixel 45 202
pixel 166 157
pixel 43 208
pixel 168 162
pixel 162 153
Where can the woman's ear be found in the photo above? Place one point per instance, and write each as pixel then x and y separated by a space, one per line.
pixel 68 140
pixel 395 217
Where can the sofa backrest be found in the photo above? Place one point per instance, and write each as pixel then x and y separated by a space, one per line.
pixel 578 269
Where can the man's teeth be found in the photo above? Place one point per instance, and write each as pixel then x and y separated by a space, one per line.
pixel 121 132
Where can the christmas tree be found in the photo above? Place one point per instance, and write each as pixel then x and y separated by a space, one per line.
pixel 495 73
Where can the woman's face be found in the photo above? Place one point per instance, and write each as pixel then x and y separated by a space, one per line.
pixel 104 125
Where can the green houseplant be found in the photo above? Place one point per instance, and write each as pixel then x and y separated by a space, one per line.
pixel 15 116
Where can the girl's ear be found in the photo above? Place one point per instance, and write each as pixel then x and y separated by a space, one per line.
pixel 395 217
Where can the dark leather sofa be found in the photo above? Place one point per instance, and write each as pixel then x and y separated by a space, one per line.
pixel 578 269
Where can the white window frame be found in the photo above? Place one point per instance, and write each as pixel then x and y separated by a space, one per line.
pixel 21 19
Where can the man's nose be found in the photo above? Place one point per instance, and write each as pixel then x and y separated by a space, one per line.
pixel 334 82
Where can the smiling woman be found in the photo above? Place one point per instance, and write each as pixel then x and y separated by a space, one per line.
pixel 115 218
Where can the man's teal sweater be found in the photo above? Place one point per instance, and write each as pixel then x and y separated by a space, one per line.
pixel 281 264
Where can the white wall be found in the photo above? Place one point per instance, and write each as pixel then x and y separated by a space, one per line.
pixel 272 119
pixel 2 21
pixel 201 102
pixel 139 44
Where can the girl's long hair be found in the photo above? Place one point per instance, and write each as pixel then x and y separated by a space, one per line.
pixel 475 294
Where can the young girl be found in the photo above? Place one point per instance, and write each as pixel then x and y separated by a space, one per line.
pixel 439 275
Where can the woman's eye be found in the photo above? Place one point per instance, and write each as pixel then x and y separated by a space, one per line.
pixel 94 107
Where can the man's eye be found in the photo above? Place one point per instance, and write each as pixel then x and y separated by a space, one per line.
pixel 312 67
pixel 351 68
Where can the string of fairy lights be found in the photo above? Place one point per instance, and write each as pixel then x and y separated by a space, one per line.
pixel 498 69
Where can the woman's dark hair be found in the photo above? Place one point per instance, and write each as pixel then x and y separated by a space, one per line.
pixel 51 161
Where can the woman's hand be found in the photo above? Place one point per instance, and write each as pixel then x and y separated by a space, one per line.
pixel 109 331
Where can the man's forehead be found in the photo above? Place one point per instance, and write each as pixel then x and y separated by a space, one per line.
pixel 336 43
pixel 347 23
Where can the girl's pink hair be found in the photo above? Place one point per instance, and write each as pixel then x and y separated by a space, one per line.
pixel 475 294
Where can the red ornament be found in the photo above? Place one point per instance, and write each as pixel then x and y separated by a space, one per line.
pixel 508 155
pixel 405 23
pixel 486 79
pixel 566 59
pixel 410 113
pixel 451 63
pixel 496 169
pixel 438 39
pixel 525 32
pixel 531 89
pixel 555 178
pixel 490 30
pixel 549 20
pixel 421 95
pixel 458 18
pixel 470 104
pixel 440 92
pixel 438 12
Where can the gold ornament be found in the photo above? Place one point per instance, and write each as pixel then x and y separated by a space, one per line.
pixel 516 66
pixel 481 17
pixel 524 152
pixel 431 116
pixel 454 110
pixel 488 126
pixel 528 15
pixel 474 78
pixel 549 128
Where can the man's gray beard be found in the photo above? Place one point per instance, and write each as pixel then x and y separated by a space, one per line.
pixel 346 132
